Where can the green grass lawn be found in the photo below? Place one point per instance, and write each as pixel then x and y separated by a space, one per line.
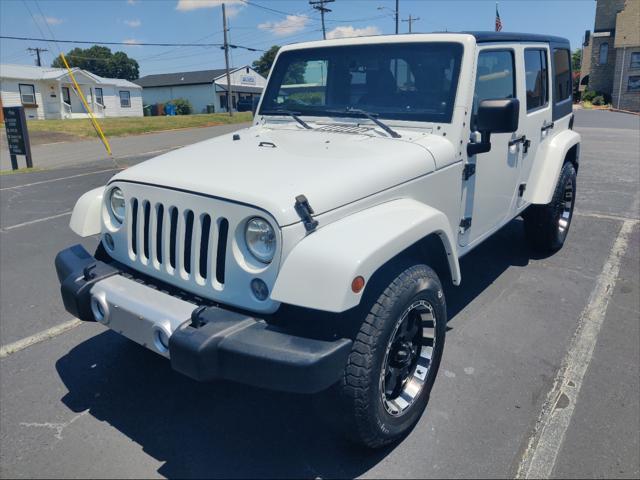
pixel 118 127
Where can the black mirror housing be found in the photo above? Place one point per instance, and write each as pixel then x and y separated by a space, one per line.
pixel 494 116
pixel 498 116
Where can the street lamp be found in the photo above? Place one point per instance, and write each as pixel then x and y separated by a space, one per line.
pixel 395 13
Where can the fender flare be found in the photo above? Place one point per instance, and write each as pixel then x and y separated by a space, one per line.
pixel 548 163
pixel 86 219
pixel 318 272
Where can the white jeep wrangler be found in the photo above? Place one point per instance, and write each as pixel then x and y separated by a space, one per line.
pixel 307 253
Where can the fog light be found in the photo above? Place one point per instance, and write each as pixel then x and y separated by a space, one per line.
pixel 259 289
pixel 162 340
pixel 108 240
pixel 99 310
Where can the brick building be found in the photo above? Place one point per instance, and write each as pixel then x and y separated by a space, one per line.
pixel 612 53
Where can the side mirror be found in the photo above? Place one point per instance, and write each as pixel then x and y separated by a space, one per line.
pixel 494 116
pixel 254 104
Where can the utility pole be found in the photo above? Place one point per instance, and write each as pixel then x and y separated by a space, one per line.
pixel 37 50
pixel 319 5
pixel 226 60
pixel 397 14
pixel 411 20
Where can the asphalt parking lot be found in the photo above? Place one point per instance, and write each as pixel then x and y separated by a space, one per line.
pixel 88 403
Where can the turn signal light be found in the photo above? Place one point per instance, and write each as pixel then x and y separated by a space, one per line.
pixel 358 284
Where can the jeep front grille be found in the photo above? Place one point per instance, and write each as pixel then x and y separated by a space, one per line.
pixel 182 242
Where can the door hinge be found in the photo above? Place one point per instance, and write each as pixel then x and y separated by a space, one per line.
pixel 468 171
pixel 521 189
pixel 465 223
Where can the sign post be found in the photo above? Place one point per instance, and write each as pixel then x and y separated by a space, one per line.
pixel 15 123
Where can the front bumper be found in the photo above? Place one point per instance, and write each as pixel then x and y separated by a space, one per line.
pixel 204 343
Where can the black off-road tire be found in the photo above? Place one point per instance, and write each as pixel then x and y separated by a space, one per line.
pixel 365 419
pixel 546 226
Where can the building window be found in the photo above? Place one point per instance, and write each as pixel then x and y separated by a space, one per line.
pixel 633 84
pixel 496 78
pixel 635 60
pixel 604 53
pixel 562 72
pixel 537 78
pixel 125 99
pixel 27 94
pixel 100 97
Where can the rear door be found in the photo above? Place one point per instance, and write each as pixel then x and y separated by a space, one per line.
pixel 535 109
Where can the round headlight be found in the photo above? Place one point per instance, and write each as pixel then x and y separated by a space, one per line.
pixel 117 204
pixel 260 239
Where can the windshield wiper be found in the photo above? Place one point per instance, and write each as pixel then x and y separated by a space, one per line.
pixel 290 113
pixel 372 117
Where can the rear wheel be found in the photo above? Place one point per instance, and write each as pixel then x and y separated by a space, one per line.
pixel 395 359
pixel 546 226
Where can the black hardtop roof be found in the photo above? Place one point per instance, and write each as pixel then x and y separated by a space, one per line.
pixel 488 37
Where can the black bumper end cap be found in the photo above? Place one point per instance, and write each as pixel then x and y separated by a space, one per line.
pixel 239 348
pixel 78 271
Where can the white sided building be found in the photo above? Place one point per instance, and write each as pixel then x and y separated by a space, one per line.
pixel 203 88
pixel 49 93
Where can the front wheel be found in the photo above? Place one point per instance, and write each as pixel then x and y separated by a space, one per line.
pixel 395 358
pixel 546 226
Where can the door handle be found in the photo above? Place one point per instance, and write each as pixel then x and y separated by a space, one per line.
pixel 523 140
pixel 546 127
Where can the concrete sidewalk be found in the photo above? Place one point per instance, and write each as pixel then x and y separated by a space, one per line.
pixel 66 154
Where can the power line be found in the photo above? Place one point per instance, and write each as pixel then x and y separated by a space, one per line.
pixel 141 44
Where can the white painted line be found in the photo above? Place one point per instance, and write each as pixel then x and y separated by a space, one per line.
pixel 14 347
pixel 538 460
pixel 59 179
pixel 31 222
pixel 605 216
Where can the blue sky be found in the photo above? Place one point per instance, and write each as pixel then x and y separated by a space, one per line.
pixel 200 21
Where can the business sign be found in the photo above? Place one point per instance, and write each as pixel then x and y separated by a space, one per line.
pixel 248 80
pixel 15 124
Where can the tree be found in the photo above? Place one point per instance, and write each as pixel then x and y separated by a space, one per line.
pixel 576 60
pixel 101 61
pixel 264 63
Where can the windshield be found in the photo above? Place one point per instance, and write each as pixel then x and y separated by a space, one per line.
pixel 402 81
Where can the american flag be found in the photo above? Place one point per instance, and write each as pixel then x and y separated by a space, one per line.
pixel 498 21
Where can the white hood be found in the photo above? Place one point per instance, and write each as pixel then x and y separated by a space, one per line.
pixel 330 169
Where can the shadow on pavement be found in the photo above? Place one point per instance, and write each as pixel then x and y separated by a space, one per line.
pixel 229 430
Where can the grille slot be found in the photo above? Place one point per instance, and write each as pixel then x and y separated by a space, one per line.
pixel 188 240
pixel 173 234
pixel 134 226
pixel 204 244
pixel 160 223
pixel 146 228
pixel 223 228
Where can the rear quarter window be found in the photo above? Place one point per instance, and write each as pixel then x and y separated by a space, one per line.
pixel 562 74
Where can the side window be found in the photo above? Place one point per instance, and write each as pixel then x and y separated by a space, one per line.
pixel 562 75
pixel 495 78
pixel 536 72
pixel 603 54
pixel 27 94
pixel 125 99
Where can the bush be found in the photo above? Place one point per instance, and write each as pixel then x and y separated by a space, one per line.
pixel 183 106
pixel 588 95
pixel 592 95
pixel 598 100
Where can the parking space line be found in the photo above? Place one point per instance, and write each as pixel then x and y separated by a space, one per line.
pixel 52 332
pixel 15 187
pixel 538 460
pixel 38 220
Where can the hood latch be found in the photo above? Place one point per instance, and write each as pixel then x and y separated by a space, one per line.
pixel 305 211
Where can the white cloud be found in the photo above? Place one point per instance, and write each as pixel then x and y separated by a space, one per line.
pixel 52 20
pixel 133 23
pixel 131 41
pixel 350 31
pixel 187 5
pixel 291 24
pixel 132 2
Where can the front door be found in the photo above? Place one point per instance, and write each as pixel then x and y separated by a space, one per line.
pixel 488 194
pixel 66 96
